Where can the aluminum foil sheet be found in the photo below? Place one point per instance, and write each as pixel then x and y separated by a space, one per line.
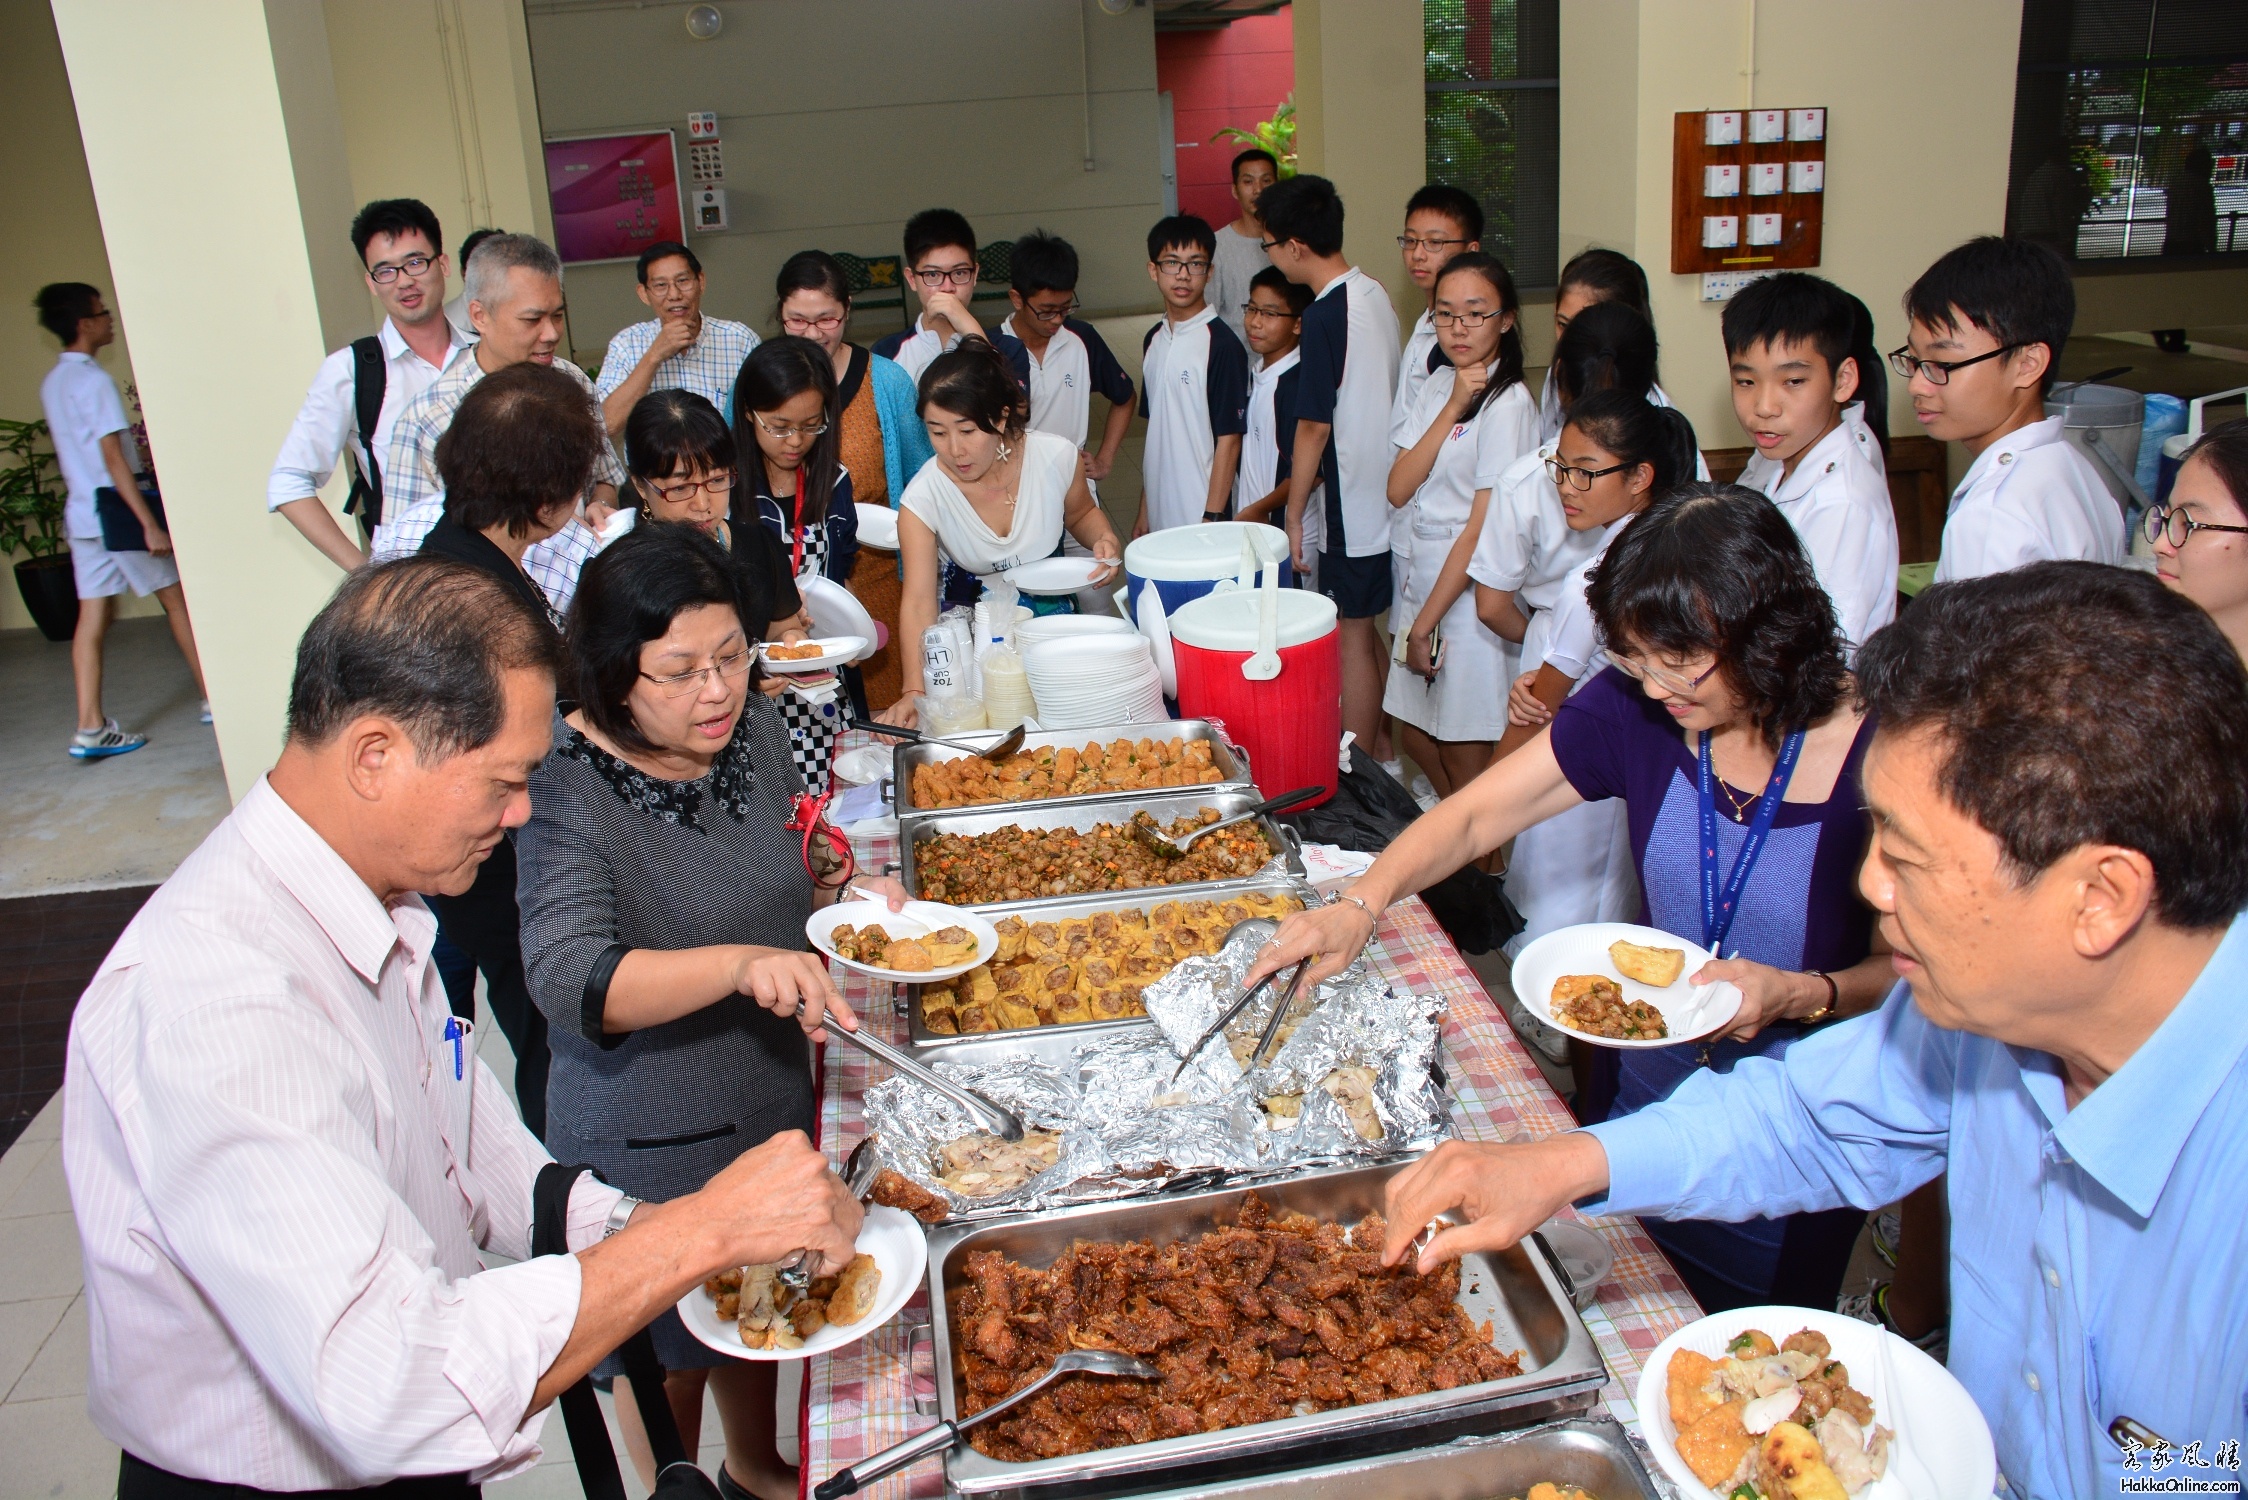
pixel 1129 1127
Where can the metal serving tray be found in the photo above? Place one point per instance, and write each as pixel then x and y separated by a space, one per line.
pixel 1593 1454
pixel 1056 908
pixel 1232 761
pixel 1517 1291
pixel 913 832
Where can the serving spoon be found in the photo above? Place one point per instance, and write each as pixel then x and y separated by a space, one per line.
pixel 1145 829
pixel 942 1436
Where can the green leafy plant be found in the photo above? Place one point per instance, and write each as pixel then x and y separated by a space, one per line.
pixel 31 496
pixel 1277 135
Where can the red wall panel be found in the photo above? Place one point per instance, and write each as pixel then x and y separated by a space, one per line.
pixel 1234 76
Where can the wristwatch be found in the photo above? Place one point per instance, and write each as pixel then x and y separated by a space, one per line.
pixel 620 1215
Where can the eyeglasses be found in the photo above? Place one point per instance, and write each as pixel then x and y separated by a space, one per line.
pixel 1409 243
pixel 1577 479
pixel 825 323
pixel 720 484
pixel 1938 371
pixel 1252 310
pixel 1052 314
pixel 1465 320
pixel 935 276
pixel 383 273
pixel 1268 246
pixel 784 431
pixel 665 286
pixel 1172 266
pixel 732 667
pixel 1662 677
pixel 2168 520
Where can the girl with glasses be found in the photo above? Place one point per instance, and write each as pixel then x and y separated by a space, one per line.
pixel 1471 420
pixel 664 901
pixel 2200 534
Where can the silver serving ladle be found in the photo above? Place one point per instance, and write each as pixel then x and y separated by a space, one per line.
pixel 1001 1122
pixel 942 1436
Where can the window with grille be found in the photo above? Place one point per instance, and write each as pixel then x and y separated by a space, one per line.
pixel 2131 129
pixel 1494 122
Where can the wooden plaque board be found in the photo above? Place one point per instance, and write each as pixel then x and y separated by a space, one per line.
pixel 1802 215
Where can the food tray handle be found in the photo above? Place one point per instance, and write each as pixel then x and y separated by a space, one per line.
pixel 918 1337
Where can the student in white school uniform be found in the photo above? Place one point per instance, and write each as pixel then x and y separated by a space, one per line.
pixel 679 349
pixel 1347 380
pixel 1591 277
pixel 940 261
pixel 1812 395
pixel 1240 250
pixel 1987 324
pixel 1475 418
pixel 1196 376
pixel 1274 314
pixel 95 450
pixel 399 243
pixel 1440 222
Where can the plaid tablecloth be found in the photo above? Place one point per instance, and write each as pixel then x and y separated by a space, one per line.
pixel 860 1399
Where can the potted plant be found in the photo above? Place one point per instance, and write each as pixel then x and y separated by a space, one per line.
pixel 1276 135
pixel 31 502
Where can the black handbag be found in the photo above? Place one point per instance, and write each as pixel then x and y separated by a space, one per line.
pixel 677 1478
pixel 120 528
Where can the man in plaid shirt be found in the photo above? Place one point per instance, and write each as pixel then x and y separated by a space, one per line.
pixel 515 301
pixel 677 350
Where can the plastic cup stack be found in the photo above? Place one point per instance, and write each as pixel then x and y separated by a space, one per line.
pixel 1007 699
pixel 957 714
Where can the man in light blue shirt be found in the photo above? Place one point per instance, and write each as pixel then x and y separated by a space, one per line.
pixel 2060 858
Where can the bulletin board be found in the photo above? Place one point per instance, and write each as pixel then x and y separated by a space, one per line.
pixel 613 195
pixel 1748 189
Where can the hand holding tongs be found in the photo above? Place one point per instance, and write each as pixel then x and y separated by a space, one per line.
pixel 1226 1017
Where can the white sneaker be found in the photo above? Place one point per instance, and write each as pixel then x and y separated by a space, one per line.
pixel 204 714
pixel 1536 1033
pixel 100 744
pixel 1424 792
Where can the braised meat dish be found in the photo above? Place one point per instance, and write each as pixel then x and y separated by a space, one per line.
pixel 1275 1316
pixel 1022 864
pixel 1028 775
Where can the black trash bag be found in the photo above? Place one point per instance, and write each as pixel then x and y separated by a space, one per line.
pixel 1368 810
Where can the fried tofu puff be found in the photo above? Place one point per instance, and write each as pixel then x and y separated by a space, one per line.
pixel 936 1010
pixel 1043 940
pixel 1011 932
pixel 1071 1007
pixel 1166 916
pixel 1714 1445
pixel 1688 1382
pixel 1132 922
pixel 1012 1015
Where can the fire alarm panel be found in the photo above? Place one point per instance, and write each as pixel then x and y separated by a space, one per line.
pixel 702 125
pixel 709 209
pixel 1775 159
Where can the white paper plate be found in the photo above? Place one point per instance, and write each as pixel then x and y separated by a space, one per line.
pixel 918 918
pixel 1942 1449
pixel 1054 575
pixel 865 765
pixel 1156 626
pixel 878 527
pixel 1584 950
pixel 833 653
pixel 893 1237
pixel 835 610
pixel 1040 628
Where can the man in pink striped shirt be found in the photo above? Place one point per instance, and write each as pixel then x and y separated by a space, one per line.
pixel 286 1169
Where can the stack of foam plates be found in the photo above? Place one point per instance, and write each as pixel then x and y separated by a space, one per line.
pixel 1108 678
pixel 1038 628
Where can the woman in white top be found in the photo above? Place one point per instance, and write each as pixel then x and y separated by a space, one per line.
pixel 1472 418
pixel 993 496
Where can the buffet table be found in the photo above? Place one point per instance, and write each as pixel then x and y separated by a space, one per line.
pixel 860 1400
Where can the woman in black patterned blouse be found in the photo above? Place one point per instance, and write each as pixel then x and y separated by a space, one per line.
pixel 664 902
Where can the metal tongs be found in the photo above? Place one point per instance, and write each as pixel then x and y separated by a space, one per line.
pixel 1001 1122
pixel 1226 1017
pixel 999 750
pixel 942 1436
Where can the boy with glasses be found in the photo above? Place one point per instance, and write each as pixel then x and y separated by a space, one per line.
pixel 1197 379
pixel 402 249
pixel 1440 222
pixel 1274 314
pixel 940 261
pixel 1240 252
pixel 677 350
pixel 1988 321
pixel 1068 360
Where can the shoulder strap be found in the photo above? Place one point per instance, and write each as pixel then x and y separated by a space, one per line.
pixel 370 379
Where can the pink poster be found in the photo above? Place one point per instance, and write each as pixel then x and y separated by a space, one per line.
pixel 613 195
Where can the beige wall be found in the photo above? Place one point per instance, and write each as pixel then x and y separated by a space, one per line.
pixel 1899 192
pixel 841 117
pixel 1361 121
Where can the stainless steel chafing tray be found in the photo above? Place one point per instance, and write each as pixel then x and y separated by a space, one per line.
pixel 1059 908
pixel 1593 1454
pixel 913 832
pixel 1232 762
pixel 1515 1290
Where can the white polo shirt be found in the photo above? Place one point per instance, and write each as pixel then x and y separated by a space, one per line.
pixel 1349 379
pixel 1838 501
pixel 83 408
pixel 328 422
pixel 1262 460
pixel 1196 376
pixel 2029 497
pixel 917 348
pixel 1077 362
pixel 1412 374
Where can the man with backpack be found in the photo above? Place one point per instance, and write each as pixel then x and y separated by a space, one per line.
pixel 362 387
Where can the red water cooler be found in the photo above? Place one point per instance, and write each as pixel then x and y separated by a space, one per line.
pixel 1268 664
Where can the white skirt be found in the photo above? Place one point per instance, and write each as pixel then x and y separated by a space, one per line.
pixel 1467 701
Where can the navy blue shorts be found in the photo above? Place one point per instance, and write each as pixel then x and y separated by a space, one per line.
pixel 1360 586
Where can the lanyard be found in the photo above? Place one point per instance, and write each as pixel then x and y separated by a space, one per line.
pixel 1718 910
